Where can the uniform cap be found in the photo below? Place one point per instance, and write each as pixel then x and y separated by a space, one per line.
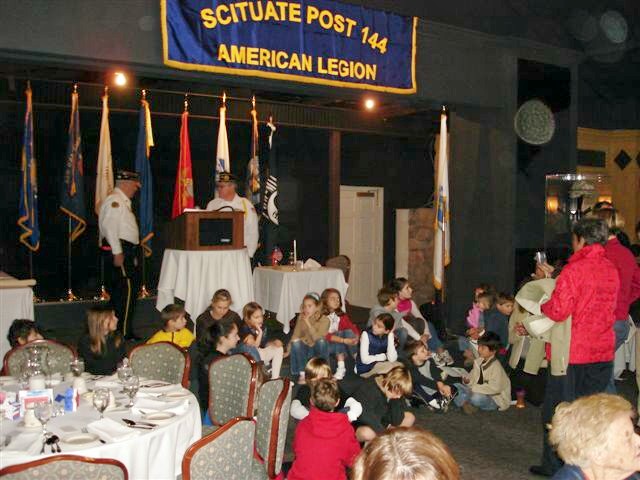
pixel 226 177
pixel 127 175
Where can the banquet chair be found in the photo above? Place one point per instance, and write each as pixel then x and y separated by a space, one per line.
pixel 274 402
pixel 223 455
pixel 69 467
pixel 60 355
pixel 341 262
pixel 163 361
pixel 233 381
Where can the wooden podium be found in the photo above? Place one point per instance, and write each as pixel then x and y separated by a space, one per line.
pixel 205 230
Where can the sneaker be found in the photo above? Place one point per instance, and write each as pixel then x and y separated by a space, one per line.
pixel 340 373
pixel 468 408
pixel 447 358
pixel 437 359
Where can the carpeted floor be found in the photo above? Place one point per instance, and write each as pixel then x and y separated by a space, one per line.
pixel 487 445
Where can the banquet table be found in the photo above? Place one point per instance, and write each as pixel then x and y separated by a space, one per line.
pixel 194 276
pixel 281 289
pixel 151 454
pixel 16 301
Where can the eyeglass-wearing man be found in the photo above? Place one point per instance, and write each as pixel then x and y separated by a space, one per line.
pixel 226 185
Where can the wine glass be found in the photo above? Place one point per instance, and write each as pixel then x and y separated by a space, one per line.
pixel 101 400
pixel 124 372
pixel 77 367
pixel 43 412
pixel 130 387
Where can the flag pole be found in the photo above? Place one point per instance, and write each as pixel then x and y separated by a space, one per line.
pixel 71 297
pixel 36 299
pixel 144 293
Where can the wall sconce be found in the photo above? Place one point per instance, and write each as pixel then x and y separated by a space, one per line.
pixel 605 198
pixel 552 204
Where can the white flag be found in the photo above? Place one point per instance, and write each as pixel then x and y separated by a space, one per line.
pixel 104 171
pixel 441 247
pixel 222 155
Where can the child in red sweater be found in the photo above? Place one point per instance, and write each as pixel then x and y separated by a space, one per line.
pixel 324 443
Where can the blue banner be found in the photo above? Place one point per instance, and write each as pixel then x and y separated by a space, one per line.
pixel 314 41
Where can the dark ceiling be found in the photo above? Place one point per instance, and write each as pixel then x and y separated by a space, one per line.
pixel 606 31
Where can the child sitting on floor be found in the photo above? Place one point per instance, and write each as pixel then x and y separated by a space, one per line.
pixel 411 314
pixel 429 386
pixel 488 387
pixel 308 339
pixel 469 345
pixel 324 443
pixel 23 331
pixel 377 353
pixel 253 339
pixel 496 320
pixel 174 330
pixel 318 368
pixel 388 303
pixel 382 402
pixel 220 309
pixel 343 335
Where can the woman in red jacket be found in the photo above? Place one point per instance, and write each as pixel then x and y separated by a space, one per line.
pixel 587 291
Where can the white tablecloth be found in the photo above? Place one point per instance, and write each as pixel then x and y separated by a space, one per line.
pixel 194 276
pixel 154 454
pixel 14 303
pixel 281 290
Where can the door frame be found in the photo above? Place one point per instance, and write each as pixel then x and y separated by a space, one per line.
pixel 379 230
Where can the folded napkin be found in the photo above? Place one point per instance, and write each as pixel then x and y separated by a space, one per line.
pixel 147 405
pixel 28 443
pixel 109 381
pixel 111 431
pixel 311 264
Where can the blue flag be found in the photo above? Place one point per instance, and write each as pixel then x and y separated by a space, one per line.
pixel 143 148
pixel 72 192
pixel 28 205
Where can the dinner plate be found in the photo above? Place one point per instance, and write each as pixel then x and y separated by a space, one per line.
pixel 158 417
pixel 8 380
pixel 177 394
pixel 80 439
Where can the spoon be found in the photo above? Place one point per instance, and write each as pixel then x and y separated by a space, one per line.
pixel 132 424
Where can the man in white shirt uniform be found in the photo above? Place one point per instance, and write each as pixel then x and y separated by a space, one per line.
pixel 228 199
pixel 120 239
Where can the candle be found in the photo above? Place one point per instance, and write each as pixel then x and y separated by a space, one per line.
pixel 295 251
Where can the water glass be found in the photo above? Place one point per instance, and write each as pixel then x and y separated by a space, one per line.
pixel 130 387
pixel 43 412
pixel 77 367
pixel 101 400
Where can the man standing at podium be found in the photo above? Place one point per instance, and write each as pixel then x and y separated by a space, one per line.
pixel 120 244
pixel 229 200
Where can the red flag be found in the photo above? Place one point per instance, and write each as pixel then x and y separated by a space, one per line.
pixel 183 196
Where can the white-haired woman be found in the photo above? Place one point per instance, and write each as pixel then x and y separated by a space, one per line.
pixel 595 437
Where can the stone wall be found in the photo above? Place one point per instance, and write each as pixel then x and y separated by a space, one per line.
pixel 414 251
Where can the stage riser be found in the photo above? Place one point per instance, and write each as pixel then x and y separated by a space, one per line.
pixel 67 321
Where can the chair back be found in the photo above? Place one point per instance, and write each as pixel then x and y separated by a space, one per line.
pixel 225 454
pixel 341 262
pixel 161 361
pixel 274 402
pixel 59 357
pixel 232 387
pixel 69 467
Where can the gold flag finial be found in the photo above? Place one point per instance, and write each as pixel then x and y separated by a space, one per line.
pixel 186 102
pixel 224 99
